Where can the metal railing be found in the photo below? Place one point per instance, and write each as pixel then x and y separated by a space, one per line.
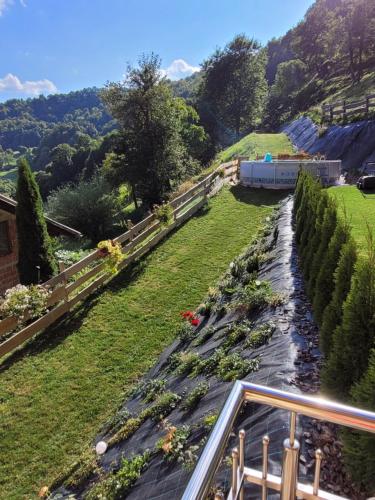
pixel 288 485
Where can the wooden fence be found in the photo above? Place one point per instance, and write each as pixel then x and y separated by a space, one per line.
pixel 78 281
pixel 343 109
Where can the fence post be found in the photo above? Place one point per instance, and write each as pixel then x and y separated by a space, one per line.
pixel 367 105
pixel 344 110
pixel 64 280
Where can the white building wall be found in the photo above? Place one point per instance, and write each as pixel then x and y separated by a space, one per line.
pixel 283 174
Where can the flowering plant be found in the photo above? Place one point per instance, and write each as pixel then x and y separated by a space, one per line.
pixel 24 300
pixel 190 317
pixel 112 252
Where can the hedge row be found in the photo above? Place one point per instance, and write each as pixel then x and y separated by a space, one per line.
pixel 341 288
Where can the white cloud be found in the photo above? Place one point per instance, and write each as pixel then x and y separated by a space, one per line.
pixel 179 69
pixel 11 83
pixel 4 4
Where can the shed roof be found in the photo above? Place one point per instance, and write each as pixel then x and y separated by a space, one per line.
pixel 55 228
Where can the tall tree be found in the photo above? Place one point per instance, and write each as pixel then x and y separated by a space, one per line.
pixel 234 87
pixel 154 152
pixel 35 258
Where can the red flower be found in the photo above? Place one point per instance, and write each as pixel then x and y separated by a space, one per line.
pixel 187 315
pixel 195 322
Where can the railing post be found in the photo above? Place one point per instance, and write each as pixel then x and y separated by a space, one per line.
pixel 234 471
pixel 290 463
pixel 241 436
pixel 266 441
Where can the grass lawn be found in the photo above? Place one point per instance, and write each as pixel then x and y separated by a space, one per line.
pixel 360 208
pixel 55 394
pixel 254 144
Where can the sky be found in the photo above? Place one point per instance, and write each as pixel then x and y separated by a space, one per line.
pixel 49 46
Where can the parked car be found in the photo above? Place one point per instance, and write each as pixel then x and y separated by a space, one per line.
pixel 366 182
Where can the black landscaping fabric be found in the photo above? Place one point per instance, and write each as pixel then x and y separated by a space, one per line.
pixel 279 368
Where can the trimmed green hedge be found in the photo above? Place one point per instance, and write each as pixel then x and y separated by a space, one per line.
pixel 341 288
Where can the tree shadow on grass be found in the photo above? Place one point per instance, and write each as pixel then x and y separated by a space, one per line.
pixel 73 320
pixel 259 196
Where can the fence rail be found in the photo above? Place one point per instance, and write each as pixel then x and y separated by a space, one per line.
pixel 345 109
pixel 68 287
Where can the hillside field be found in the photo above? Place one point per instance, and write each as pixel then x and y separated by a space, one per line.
pixel 59 390
pixel 255 143
pixel 360 209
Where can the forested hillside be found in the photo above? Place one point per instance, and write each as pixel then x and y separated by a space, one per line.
pixel 329 54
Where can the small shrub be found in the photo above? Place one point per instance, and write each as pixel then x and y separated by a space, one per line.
pixel 186 332
pixel 174 446
pixel 118 484
pixel 260 336
pixel 112 253
pixel 209 365
pixel 277 299
pixel 254 296
pixel 237 333
pixel 129 427
pixel 234 367
pixel 151 389
pixel 22 300
pixel 163 406
pixel 164 213
pixel 210 420
pixel 187 362
pixel 195 396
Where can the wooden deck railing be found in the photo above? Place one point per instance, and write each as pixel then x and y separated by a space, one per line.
pixel 344 109
pixel 78 281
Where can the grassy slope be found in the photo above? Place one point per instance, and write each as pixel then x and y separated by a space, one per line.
pixel 54 397
pixel 254 144
pixel 360 208
pixel 340 88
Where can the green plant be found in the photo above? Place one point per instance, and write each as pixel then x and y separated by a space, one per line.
pixel 118 484
pixel 254 296
pixel 359 446
pixel 129 427
pixel 186 332
pixel 260 336
pixel 332 316
pixel 25 301
pixel 183 362
pixel 232 367
pixel 210 420
pixel 164 213
pixel 209 365
pixel 163 405
pixel 150 389
pixel 174 446
pixel 195 396
pixel 35 255
pixel 112 253
pixel 237 333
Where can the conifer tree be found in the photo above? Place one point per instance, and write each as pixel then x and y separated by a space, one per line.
pixel 359 446
pixel 355 337
pixel 332 316
pixel 35 258
pixel 327 230
pixel 313 233
pixel 325 282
